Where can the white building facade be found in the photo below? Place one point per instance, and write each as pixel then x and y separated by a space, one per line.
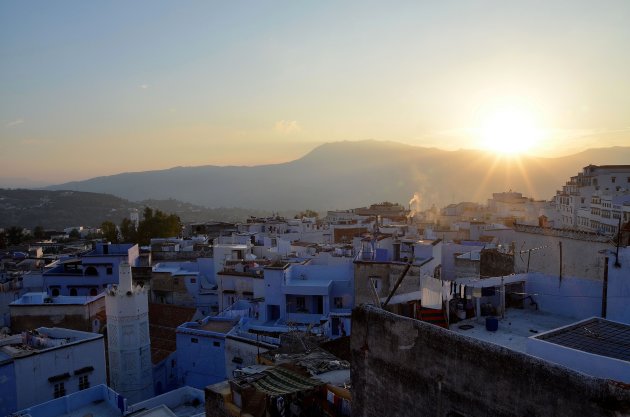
pixel 130 368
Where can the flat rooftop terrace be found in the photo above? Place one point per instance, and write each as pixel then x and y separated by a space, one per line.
pixel 597 336
pixel 514 329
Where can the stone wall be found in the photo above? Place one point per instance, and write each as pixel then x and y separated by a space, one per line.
pixel 404 367
pixel 495 264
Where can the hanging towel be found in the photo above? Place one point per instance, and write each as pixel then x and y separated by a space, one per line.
pixel 431 292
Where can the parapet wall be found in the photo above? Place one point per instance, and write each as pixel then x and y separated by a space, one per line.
pixel 404 367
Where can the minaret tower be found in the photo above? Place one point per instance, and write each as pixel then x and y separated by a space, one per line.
pixel 130 369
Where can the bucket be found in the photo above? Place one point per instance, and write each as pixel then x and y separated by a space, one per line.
pixel 492 324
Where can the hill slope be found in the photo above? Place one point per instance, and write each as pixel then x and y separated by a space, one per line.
pixel 352 174
pixel 61 209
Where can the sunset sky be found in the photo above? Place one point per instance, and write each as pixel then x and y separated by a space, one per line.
pixel 94 88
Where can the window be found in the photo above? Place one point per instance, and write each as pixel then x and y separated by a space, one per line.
pixel 55 292
pixel 109 270
pixel 338 302
pixel 194 340
pixel 73 292
pixel 84 383
pixel 60 390
pixel 376 282
pixel 612 179
pixel 216 344
pixel 300 303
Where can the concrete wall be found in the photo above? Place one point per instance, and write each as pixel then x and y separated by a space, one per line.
pixel 32 372
pixel 200 358
pixel 8 390
pixel 449 251
pixel 495 264
pixel 247 350
pixel 69 316
pixel 7 298
pixel 570 297
pixel 405 367
pixel 388 274
pixel 580 258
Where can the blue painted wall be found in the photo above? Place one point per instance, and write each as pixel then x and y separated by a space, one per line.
pixel 579 298
pixel 200 358
pixel 8 393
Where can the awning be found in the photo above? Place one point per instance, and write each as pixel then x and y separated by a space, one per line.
pixel 491 282
pixel 280 381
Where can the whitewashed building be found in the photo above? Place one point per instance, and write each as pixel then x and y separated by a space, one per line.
pixel 48 363
pixel 596 199
pixel 130 368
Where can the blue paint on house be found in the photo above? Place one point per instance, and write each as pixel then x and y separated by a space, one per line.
pixel 201 351
pixel 90 273
pixel 8 390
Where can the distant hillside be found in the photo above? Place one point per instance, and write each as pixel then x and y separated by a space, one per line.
pixel 353 174
pixel 61 209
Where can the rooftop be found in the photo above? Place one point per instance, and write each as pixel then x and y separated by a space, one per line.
pixel 595 335
pixel 95 401
pixel 210 324
pixel 35 298
pixel 39 340
pixel 514 329
pixel 181 402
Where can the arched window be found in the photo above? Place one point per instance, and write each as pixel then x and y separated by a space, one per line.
pixel 55 292
pixel 93 292
pixel 73 292
pixel 90 270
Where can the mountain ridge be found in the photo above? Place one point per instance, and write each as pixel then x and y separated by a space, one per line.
pixel 353 174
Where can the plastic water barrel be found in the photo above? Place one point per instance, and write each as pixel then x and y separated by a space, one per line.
pixel 492 324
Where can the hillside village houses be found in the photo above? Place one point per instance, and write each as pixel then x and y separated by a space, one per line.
pixel 215 301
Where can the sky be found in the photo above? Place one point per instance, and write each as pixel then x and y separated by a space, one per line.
pixel 96 88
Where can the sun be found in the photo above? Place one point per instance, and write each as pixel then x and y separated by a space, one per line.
pixel 510 131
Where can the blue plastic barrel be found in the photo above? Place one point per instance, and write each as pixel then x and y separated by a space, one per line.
pixel 492 324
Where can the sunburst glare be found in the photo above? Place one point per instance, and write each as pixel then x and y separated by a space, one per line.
pixel 510 131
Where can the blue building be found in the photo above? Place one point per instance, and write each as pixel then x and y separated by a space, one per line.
pixel 201 351
pixel 89 273
pixel 48 363
pixel 310 294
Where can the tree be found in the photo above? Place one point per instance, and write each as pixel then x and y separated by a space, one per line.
pixel 157 224
pixel 15 235
pixel 38 232
pixel 109 231
pixel 74 234
pixel 128 230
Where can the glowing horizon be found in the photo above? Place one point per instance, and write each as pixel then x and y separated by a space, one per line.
pixel 89 90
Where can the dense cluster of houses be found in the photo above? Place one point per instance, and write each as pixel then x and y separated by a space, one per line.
pixel 259 314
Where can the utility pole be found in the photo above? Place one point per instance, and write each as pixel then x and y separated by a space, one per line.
pixel 560 245
pixel 605 289
pixel 617 264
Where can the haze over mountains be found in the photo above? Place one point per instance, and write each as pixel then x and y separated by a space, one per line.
pixel 353 174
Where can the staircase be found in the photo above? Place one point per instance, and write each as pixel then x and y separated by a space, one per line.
pixel 432 316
